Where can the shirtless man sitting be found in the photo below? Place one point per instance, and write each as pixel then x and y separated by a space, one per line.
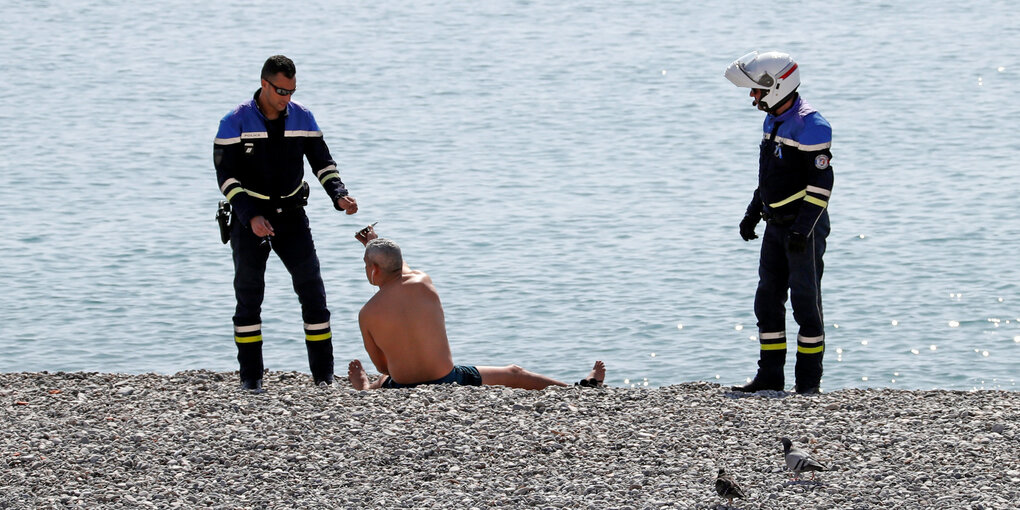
pixel 404 330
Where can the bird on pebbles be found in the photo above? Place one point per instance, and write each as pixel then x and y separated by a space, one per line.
pixel 727 487
pixel 799 460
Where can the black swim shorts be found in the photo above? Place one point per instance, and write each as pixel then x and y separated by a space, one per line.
pixel 463 375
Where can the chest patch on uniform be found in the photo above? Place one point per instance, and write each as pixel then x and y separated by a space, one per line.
pixel 250 148
pixel 821 161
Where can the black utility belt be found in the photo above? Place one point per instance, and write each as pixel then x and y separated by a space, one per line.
pixel 295 200
pixel 779 220
pixel 269 209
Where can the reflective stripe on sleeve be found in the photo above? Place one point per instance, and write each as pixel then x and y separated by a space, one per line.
pixel 815 147
pixel 804 147
pixel 819 191
pixel 817 201
pixel 326 173
pixel 328 168
pixel 296 132
pixel 329 175
pixel 227 183
pixel 227 141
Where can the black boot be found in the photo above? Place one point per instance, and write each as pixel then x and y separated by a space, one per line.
pixel 249 357
pixel 807 390
pixel 809 368
pixel 762 382
pixel 770 373
pixel 252 385
pixel 320 361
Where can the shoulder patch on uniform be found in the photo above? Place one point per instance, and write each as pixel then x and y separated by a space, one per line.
pixel 821 161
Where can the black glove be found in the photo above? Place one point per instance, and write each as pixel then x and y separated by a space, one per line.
pixel 796 242
pixel 747 227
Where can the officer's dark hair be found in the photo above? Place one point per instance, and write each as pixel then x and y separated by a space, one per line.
pixel 386 254
pixel 278 64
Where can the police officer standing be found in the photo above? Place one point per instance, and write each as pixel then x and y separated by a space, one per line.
pixel 794 184
pixel 258 154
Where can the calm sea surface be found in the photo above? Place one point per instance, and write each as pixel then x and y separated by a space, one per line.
pixel 571 175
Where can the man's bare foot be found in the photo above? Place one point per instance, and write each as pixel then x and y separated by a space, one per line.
pixel 356 374
pixel 598 372
pixel 596 376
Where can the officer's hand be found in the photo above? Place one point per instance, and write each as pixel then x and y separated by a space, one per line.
pixel 261 226
pixel 747 227
pixel 366 234
pixel 348 204
pixel 796 242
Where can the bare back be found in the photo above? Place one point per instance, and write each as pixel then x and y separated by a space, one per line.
pixel 404 324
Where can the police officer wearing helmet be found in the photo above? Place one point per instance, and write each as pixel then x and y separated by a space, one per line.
pixel 794 185
pixel 259 156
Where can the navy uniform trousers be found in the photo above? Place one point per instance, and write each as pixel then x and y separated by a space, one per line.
pixel 781 271
pixel 292 242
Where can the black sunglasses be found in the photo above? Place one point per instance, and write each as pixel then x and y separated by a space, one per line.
pixel 279 90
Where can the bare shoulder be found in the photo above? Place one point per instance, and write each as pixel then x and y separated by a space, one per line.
pixel 416 276
pixel 369 308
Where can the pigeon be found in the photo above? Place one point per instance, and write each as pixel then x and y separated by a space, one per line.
pixel 726 487
pixel 799 461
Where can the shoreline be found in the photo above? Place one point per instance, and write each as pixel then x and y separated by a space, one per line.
pixel 85 439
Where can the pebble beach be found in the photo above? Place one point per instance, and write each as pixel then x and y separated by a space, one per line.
pixel 192 440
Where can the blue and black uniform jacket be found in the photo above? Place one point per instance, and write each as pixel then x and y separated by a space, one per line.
pixel 794 173
pixel 260 165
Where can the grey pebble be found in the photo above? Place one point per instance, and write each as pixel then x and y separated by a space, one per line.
pixel 190 440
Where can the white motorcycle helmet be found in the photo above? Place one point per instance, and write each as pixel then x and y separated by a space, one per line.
pixel 772 71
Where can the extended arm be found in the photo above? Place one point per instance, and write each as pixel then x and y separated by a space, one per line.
pixel 325 169
pixel 366 235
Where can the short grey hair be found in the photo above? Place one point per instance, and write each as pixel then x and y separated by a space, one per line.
pixel 385 254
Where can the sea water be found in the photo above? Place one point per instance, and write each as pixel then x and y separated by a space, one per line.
pixel 571 174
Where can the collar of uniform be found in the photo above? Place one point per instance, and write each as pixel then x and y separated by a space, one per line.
pixel 255 101
pixel 790 112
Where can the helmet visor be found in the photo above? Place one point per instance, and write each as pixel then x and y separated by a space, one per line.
pixel 745 72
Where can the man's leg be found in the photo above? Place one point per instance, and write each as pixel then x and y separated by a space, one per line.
pixel 806 299
pixel 770 310
pixel 511 375
pixel 297 251
pixel 250 255
pixel 517 377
